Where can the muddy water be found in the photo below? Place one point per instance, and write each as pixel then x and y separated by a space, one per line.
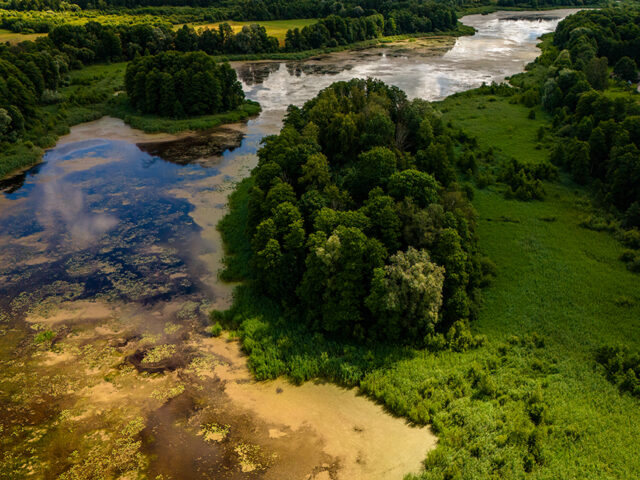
pixel 108 267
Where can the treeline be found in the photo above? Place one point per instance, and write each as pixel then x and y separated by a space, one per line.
pixel 547 3
pixel 601 134
pixel 39 5
pixel 358 227
pixel 174 84
pixel 27 79
pixel 94 42
pixel 336 30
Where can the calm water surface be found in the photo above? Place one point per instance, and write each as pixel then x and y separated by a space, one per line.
pixel 101 191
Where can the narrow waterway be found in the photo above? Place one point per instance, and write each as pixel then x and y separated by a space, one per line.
pixel 108 268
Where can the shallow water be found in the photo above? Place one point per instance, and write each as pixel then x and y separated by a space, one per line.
pixel 115 252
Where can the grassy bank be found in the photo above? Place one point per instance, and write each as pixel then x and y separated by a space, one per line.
pixel 121 108
pixel 462 30
pixel 91 94
pixel 532 402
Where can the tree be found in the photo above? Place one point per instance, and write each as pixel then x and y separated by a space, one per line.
pixel 372 169
pixel 279 245
pixel 339 269
pixel 379 131
pixel 435 160
pixel 421 187
pixel 626 69
pixel 5 122
pixel 315 173
pixel 384 223
pixel 597 72
pixel 406 296
pixel 580 162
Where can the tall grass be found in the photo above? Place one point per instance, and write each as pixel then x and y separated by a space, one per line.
pixel 533 402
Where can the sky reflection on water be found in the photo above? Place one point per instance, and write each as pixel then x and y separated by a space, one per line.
pixel 105 201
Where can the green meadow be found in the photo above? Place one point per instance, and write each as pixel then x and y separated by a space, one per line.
pixel 275 28
pixel 14 38
pixel 531 401
pixel 557 280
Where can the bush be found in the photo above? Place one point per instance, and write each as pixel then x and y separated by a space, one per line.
pixel 622 368
pixel 215 330
pixel 44 336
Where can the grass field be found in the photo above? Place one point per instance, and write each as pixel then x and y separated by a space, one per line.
pixel 565 283
pixel 14 38
pixel 275 28
pixel 532 402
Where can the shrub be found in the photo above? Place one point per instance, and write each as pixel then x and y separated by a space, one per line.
pixel 215 330
pixel 44 336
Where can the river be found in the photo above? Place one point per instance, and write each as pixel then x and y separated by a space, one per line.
pixel 108 267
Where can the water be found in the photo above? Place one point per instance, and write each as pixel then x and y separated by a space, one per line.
pixel 115 252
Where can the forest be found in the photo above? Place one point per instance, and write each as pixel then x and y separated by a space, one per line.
pixel 357 225
pixel 172 84
pixel 599 136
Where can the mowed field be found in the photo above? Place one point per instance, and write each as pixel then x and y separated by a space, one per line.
pixel 275 28
pixel 14 38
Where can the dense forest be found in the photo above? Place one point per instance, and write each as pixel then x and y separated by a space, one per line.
pixel 358 227
pixel 281 9
pixel 600 135
pixel 27 80
pixel 335 30
pixel 173 84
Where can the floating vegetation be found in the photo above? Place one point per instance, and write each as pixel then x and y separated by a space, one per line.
pixel 149 339
pixel 202 367
pixel 212 432
pixel 121 458
pixel 44 336
pixel 159 353
pixel 251 457
pixel 163 395
pixel 171 328
pixel 189 311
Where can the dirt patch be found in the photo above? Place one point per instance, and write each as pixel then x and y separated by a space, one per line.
pixel 366 442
